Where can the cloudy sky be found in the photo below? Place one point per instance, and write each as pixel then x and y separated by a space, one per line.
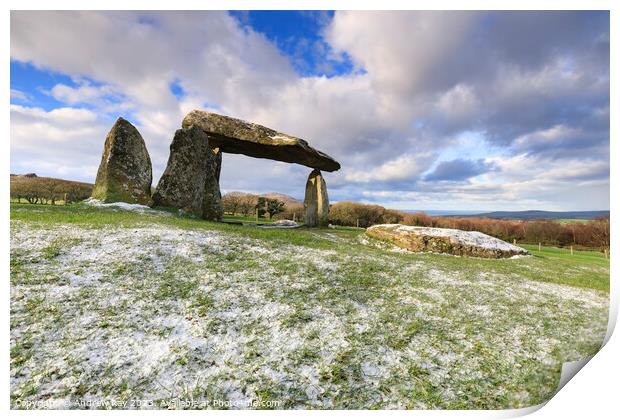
pixel 424 110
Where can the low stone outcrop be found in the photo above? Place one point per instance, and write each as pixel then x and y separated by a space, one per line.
pixel 286 223
pixel 281 224
pixel 449 241
pixel 316 201
pixel 125 172
pixel 191 179
pixel 232 135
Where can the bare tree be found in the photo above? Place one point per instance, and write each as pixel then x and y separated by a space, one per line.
pixel 52 189
pixel 247 206
pixel 231 201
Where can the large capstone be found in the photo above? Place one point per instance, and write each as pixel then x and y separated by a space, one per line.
pixel 448 241
pixel 231 135
pixel 316 201
pixel 125 172
pixel 190 181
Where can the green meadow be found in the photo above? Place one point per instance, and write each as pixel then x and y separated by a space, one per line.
pixel 151 305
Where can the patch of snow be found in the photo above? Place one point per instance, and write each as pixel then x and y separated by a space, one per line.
pixel 517 256
pixel 368 369
pixel 281 224
pixel 139 208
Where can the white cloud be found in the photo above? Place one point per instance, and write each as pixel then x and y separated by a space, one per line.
pixel 19 95
pixel 526 168
pixel 402 51
pixel 63 141
pixel 403 168
pixel 424 78
pixel 81 94
pixel 459 104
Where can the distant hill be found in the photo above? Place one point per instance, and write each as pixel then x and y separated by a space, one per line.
pixel 541 214
pixel 286 199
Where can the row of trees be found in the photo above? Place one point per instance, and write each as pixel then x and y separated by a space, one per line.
pixel 43 190
pixel 239 203
pixel 593 234
pixel 349 213
pixel 251 204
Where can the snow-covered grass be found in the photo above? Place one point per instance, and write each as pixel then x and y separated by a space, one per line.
pixel 113 305
pixel 139 208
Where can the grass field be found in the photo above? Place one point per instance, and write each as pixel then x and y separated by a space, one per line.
pixel 123 306
pixel 572 220
pixel 245 219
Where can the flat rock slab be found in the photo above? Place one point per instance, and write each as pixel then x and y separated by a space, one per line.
pixel 449 241
pixel 281 224
pixel 232 135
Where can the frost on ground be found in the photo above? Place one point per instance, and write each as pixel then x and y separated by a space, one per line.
pixel 157 312
pixel 138 208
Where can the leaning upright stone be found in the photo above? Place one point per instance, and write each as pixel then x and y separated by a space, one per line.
pixel 190 181
pixel 316 201
pixel 125 172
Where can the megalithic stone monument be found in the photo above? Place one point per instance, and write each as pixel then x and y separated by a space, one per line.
pixel 231 135
pixel 316 201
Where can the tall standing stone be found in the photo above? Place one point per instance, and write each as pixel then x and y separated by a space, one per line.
pixel 316 201
pixel 125 172
pixel 190 181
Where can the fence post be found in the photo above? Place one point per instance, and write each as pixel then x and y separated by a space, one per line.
pixel 256 215
pixel 539 246
pixel 357 223
pixel 571 250
pixel 294 219
pixel 65 199
pixel 605 251
pixel 514 241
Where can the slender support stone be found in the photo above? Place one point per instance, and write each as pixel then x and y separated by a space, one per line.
pixel 316 202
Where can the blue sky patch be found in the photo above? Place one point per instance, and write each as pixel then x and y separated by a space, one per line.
pixel 35 84
pixel 177 89
pixel 298 34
